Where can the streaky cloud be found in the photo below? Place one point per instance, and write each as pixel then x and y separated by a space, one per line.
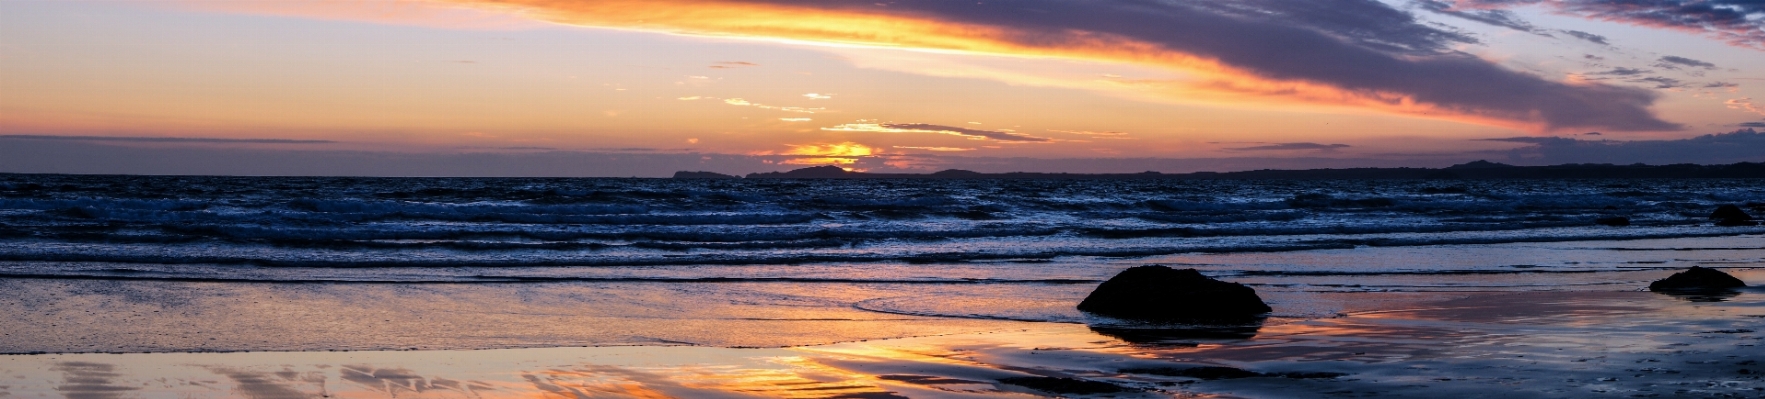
pixel 1682 61
pixel 1351 53
pixel 1596 39
pixel 1745 104
pixel 1091 133
pixel 976 134
pixel 1292 147
pixel 935 149
pixel 1494 17
pixel 1737 22
pixel 150 139
pixel 1622 71
pixel 1661 82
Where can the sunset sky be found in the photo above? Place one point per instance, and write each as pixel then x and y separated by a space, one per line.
pixel 910 85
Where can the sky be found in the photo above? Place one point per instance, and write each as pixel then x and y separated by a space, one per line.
pixel 648 87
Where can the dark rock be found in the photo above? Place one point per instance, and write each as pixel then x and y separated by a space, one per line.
pixel 1697 279
pixel 1730 211
pixel 957 173
pixel 1161 293
pixel 1615 221
pixel 1064 385
pixel 702 175
pixel 1480 164
pixel 817 172
pixel 1731 215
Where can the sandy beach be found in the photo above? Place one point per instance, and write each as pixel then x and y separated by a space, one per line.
pixel 1514 344
pixel 1533 345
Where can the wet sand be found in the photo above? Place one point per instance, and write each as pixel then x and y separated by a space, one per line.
pixel 1466 344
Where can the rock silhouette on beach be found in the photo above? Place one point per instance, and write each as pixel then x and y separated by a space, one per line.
pixel 1164 294
pixel 1731 215
pixel 1697 279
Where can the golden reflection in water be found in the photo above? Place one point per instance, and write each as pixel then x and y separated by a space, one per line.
pixel 794 377
pixel 1490 335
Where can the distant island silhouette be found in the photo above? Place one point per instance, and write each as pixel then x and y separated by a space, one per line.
pixel 1471 170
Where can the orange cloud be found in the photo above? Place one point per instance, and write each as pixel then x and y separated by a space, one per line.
pixel 745 103
pixel 846 149
pixel 1229 52
pixel 936 149
pixel 1090 133
pixel 1116 34
pixel 846 153
pixel 971 134
pixel 1745 104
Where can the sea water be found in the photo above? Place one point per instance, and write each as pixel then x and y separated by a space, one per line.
pixel 136 263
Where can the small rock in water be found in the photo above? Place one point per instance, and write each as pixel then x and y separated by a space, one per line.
pixel 1155 292
pixel 1731 215
pixel 1615 221
pixel 703 175
pixel 1697 279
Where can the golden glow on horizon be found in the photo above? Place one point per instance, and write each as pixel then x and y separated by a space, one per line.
pixel 880 128
pixel 646 76
pixel 846 153
pixel 846 149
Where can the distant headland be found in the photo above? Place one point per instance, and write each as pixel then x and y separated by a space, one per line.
pixel 1470 170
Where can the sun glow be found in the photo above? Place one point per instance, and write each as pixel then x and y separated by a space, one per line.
pixel 846 153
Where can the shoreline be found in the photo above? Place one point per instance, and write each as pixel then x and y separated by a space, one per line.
pixel 775 311
pixel 1531 344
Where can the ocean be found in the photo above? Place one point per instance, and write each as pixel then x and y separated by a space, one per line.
pixel 853 257
pixel 300 287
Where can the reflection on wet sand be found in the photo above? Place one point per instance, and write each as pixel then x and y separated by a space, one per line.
pixel 1519 345
pixel 1180 335
pixel 1705 296
pixel 286 384
pixel 87 380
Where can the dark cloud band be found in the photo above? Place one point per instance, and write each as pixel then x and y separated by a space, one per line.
pixel 1361 53
pixel 1738 22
